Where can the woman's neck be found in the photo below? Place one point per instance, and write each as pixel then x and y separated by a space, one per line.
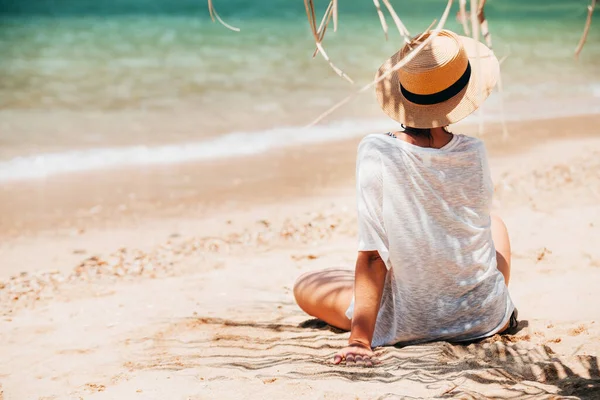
pixel 439 138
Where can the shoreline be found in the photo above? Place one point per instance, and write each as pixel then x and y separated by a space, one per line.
pixel 31 163
pixel 80 201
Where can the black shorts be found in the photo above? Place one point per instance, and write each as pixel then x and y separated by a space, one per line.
pixel 513 322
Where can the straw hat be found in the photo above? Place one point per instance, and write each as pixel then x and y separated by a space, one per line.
pixel 441 85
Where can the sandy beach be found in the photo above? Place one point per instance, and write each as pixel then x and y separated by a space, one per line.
pixel 170 283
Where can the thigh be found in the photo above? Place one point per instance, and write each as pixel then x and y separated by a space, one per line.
pixel 502 245
pixel 326 295
pixel 503 252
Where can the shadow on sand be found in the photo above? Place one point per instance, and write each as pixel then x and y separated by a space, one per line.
pixel 284 350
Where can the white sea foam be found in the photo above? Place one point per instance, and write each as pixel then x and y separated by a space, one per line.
pixel 249 143
pixel 229 145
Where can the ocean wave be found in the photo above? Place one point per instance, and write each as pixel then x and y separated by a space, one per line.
pixel 229 145
pixel 251 143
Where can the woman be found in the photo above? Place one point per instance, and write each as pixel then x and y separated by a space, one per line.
pixel 432 263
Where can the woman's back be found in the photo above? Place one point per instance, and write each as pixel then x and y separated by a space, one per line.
pixel 427 268
pixel 427 212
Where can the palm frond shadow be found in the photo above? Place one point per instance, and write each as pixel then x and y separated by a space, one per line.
pixel 284 350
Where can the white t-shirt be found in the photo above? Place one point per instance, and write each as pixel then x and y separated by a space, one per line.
pixel 427 212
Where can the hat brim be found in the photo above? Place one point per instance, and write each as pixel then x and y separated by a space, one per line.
pixel 485 70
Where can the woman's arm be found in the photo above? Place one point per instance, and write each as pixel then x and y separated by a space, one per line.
pixel 373 251
pixel 368 288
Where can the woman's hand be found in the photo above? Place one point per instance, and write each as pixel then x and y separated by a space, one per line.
pixel 355 354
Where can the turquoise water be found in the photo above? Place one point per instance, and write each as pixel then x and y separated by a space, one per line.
pixel 135 76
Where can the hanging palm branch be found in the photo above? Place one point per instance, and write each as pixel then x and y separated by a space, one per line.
pixel 396 67
pixel 213 15
pixel 381 18
pixel 335 15
pixel 462 16
pixel 482 22
pixel 319 33
pixel 477 19
pixel 401 27
pixel 586 29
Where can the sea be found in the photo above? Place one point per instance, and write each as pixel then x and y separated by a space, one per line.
pixel 88 85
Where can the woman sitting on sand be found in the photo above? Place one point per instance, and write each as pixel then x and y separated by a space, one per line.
pixel 432 263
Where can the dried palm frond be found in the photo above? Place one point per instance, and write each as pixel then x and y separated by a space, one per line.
pixel 396 67
pixel 475 28
pixel 483 23
pixel 381 18
pixel 502 112
pixel 312 20
pixel 586 29
pixel 479 24
pixel 426 31
pixel 401 27
pixel 335 15
pixel 214 14
pixel 323 26
pixel 475 20
pixel 462 16
pixel 501 91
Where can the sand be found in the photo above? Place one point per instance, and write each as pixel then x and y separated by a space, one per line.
pixel 186 293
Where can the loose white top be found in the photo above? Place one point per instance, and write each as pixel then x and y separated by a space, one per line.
pixel 427 212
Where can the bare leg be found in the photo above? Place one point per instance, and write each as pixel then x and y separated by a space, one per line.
pixel 502 244
pixel 326 295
